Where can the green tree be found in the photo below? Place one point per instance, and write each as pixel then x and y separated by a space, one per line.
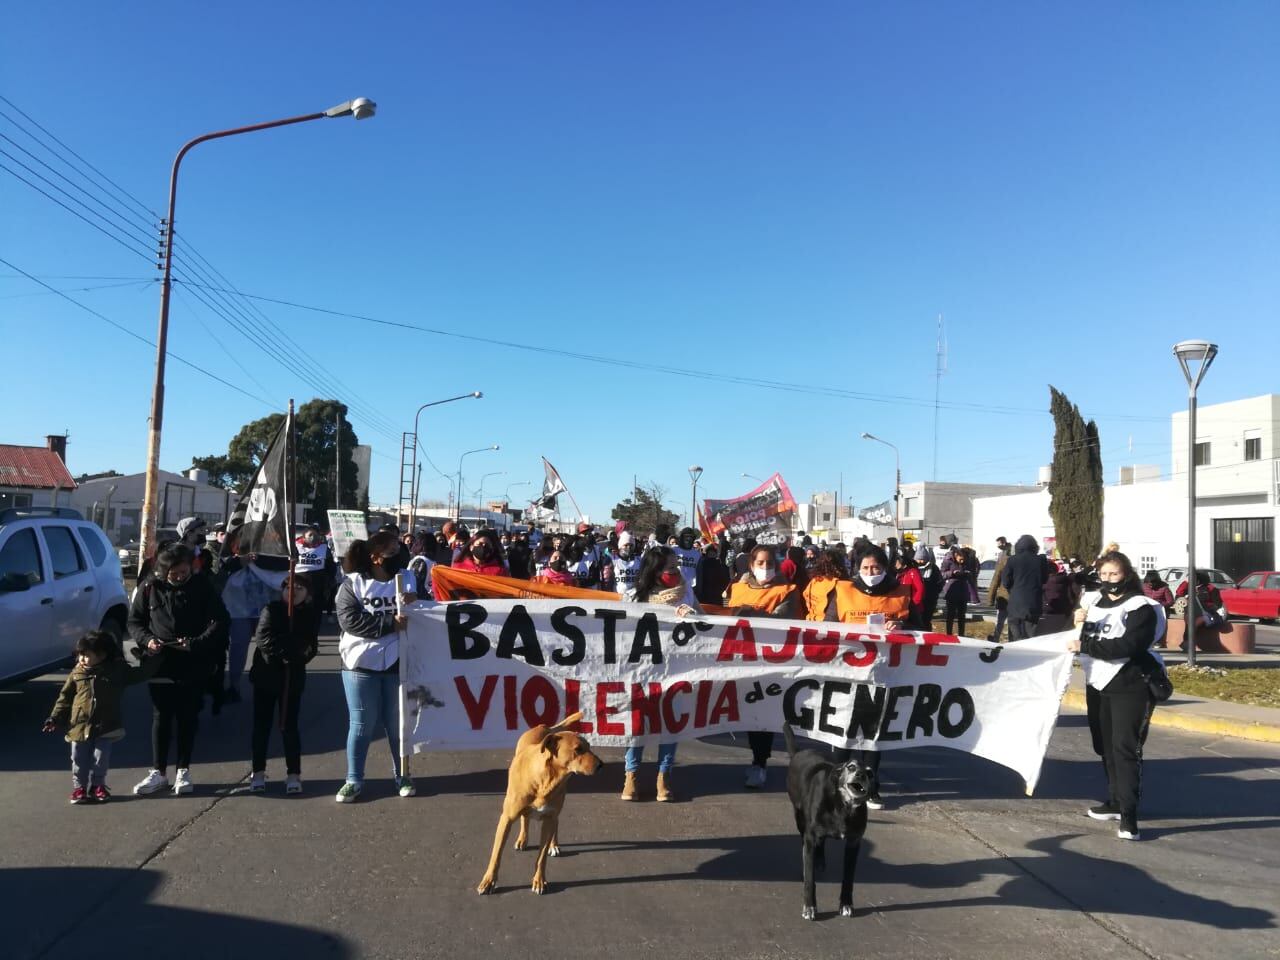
pixel 1075 484
pixel 643 510
pixel 316 427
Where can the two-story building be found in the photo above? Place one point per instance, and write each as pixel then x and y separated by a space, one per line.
pixel 1237 457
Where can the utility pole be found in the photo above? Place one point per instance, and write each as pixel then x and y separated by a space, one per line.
pixel 337 464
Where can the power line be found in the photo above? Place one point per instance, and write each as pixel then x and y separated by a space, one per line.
pixel 104 286
pixel 136 336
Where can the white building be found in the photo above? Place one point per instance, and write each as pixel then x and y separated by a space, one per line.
pixel 1237 497
pixel 930 510
pixel 115 503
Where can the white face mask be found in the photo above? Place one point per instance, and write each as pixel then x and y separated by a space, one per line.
pixel 871 579
pixel 762 574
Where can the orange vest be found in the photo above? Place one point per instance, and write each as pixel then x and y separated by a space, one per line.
pixel 767 599
pixel 817 596
pixel 853 605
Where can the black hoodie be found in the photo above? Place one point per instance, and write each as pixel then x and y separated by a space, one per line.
pixel 1024 576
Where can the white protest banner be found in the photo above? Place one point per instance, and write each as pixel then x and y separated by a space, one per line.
pixel 347 526
pixel 475 674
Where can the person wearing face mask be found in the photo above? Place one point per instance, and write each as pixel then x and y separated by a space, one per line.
pixel 556 571
pixel 584 560
pixel 626 566
pixel 520 558
pixel 1119 628
pixel 932 578
pixel 191 534
pixel 762 591
pixel 1024 576
pixel 483 556
pixel 690 558
pixel 180 619
pixel 874 591
pixel 370 651
pixel 661 580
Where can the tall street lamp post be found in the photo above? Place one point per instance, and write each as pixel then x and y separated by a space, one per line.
pixel 457 508
pixel 361 108
pixel 1190 353
pixel 897 481
pixel 413 507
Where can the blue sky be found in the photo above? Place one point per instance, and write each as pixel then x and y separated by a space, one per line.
pixel 774 191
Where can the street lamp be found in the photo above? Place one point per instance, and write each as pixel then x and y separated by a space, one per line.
pixel 1189 353
pixel 752 476
pixel 519 483
pixel 480 493
pixel 361 108
pixel 413 507
pixel 897 479
pixel 694 473
pixel 457 509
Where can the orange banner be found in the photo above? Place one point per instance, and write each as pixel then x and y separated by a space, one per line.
pixel 450 584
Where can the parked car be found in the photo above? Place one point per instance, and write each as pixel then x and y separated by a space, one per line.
pixel 1174 576
pixel 1257 595
pixel 986 573
pixel 128 553
pixel 59 578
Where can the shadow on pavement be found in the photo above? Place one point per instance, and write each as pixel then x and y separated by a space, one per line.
pixel 51 901
pixel 1098 885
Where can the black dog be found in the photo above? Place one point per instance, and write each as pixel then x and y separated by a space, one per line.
pixel 830 800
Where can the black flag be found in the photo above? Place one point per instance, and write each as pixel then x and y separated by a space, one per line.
pixel 260 521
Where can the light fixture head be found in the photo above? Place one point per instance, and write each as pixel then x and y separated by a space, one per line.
pixel 477 394
pixel 1190 352
pixel 495 447
pixel 362 108
pixel 867 436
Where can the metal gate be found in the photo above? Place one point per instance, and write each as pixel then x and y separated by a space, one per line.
pixel 1242 546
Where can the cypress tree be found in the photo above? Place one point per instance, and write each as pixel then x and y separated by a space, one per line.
pixel 1075 486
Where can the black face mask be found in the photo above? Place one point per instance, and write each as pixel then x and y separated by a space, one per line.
pixel 1111 589
pixel 482 552
pixel 557 565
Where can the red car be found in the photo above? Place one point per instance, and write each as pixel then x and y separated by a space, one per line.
pixel 1257 595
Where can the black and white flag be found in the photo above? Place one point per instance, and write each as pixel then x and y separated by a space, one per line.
pixel 552 486
pixel 260 521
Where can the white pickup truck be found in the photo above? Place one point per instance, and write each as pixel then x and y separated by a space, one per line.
pixel 59 579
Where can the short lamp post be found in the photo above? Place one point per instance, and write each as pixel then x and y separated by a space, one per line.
pixel 1195 357
pixel 695 472
pixel 897 481
pixel 457 510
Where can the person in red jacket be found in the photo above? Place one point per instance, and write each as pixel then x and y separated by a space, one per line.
pixel 483 555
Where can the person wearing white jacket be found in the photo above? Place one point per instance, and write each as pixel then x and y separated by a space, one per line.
pixel 370 652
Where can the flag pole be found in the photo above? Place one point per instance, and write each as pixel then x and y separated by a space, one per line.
pixel 290 486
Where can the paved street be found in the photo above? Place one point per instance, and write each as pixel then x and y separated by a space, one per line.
pixel 962 865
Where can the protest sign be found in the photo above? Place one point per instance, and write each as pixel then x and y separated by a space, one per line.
pixel 476 674
pixel 450 584
pixel 347 526
pixel 764 513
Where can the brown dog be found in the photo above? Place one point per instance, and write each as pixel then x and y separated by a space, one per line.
pixel 536 784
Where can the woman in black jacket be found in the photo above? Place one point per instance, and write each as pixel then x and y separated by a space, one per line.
pixel 1119 627
pixel 180 619
pixel 284 644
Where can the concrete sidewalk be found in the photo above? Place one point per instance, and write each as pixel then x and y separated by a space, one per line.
pixel 1197 715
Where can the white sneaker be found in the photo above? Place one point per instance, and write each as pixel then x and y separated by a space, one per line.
pixel 406 787
pixel 182 782
pixel 874 802
pixel 258 782
pixel 755 777
pixel 153 782
pixel 293 783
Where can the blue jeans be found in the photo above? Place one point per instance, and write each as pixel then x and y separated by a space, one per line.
pixel 372 698
pixel 666 757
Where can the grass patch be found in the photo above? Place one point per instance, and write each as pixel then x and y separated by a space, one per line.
pixel 1255 687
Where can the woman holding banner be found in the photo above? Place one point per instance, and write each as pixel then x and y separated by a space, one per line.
pixel 1120 626
pixel 763 591
pixel 660 580
pixel 370 651
pixel 874 592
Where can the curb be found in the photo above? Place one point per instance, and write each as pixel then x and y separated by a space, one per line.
pixel 1219 726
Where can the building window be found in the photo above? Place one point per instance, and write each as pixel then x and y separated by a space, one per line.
pixel 8 500
pixel 1253 448
pixel 1202 454
pixel 1145 563
pixel 910 507
pixel 826 517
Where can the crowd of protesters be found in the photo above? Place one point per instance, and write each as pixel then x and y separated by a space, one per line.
pixel 201 606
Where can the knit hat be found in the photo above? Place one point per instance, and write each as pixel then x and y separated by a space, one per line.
pixel 624 539
pixel 189 525
pixel 923 554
